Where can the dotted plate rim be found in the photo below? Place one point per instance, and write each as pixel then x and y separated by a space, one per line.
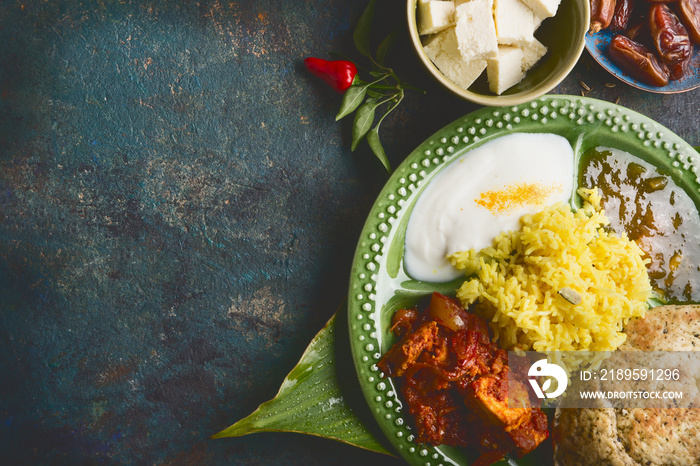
pixel 377 283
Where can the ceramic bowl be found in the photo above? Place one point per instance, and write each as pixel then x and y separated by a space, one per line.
pixel 598 44
pixel 564 35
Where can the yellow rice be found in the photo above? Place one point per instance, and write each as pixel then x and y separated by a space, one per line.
pixel 515 282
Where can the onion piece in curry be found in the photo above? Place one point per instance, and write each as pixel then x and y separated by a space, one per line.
pixel 454 380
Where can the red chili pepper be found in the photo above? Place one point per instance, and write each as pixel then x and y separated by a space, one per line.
pixel 339 73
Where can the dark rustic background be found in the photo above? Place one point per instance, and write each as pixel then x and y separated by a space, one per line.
pixel 178 213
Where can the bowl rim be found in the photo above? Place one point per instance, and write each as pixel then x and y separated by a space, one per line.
pixel 490 100
pixel 624 77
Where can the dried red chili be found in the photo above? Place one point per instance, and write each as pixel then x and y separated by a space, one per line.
pixel 670 39
pixel 339 74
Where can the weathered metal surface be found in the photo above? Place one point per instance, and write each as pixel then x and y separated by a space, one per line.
pixel 178 214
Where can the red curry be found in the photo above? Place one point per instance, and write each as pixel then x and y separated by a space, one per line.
pixel 454 381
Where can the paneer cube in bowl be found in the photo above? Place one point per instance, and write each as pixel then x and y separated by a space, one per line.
pixel 464 38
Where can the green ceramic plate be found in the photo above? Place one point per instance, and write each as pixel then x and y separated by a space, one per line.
pixel 379 285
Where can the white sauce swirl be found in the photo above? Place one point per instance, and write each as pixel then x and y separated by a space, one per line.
pixel 483 193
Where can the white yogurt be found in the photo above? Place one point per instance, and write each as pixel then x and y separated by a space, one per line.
pixel 483 193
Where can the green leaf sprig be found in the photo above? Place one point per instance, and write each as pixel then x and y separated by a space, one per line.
pixel 382 94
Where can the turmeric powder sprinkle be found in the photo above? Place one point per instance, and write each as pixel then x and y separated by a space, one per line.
pixel 514 196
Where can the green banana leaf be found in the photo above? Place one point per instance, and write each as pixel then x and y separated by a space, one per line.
pixel 321 396
pixel 311 401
